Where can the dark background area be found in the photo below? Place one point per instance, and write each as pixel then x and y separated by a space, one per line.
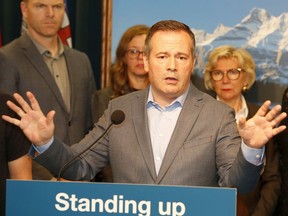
pixel 85 18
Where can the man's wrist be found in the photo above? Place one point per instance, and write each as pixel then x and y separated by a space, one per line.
pixel 42 148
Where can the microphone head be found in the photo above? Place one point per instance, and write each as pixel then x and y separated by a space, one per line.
pixel 117 117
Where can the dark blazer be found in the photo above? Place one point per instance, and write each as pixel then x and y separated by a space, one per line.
pixel 262 201
pixel 282 142
pixel 22 69
pixel 199 153
pixel 100 101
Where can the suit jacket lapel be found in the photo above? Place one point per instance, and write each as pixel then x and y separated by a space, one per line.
pixel 143 134
pixel 186 121
pixel 32 54
pixel 72 71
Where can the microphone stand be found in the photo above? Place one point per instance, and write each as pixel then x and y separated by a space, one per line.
pixel 68 163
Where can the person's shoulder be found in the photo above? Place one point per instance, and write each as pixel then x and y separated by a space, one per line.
pixel 210 103
pixel 104 91
pixel 205 97
pixel 73 54
pixel 71 50
pixel 11 46
pixel 132 96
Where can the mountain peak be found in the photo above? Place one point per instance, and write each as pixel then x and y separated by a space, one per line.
pixel 263 35
pixel 221 29
pixel 257 15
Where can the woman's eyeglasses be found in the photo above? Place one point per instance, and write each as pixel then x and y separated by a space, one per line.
pixel 232 74
pixel 133 53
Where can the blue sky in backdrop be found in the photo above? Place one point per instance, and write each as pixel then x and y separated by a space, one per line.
pixel 201 14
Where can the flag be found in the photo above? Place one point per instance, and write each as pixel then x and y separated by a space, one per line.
pixel 65 31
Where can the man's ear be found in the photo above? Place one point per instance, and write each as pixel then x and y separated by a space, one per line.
pixel 146 63
pixel 23 7
pixel 194 61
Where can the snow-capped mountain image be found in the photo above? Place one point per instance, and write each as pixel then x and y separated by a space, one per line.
pixel 263 35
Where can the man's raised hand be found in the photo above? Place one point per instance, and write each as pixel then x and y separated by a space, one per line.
pixel 258 130
pixel 38 128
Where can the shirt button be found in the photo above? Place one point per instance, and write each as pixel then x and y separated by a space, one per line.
pixel 158 158
pixel 257 156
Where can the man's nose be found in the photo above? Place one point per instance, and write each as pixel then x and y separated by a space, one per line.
pixel 172 64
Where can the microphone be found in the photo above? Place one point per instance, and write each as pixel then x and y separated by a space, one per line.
pixel 117 117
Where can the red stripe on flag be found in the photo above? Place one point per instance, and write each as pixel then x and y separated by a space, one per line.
pixel 65 31
pixel 65 34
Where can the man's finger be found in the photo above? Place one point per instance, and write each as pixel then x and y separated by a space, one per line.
pixel 278 130
pixel 11 120
pixel 273 113
pixel 50 116
pixel 15 108
pixel 278 119
pixel 34 103
pixel 262 111
pixel 25 106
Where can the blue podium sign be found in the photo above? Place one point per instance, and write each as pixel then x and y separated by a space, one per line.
pixel 47 198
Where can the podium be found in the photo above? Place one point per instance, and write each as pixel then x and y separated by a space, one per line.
pixel 48 198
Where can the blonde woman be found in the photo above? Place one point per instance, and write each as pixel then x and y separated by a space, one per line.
pixel 230 72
